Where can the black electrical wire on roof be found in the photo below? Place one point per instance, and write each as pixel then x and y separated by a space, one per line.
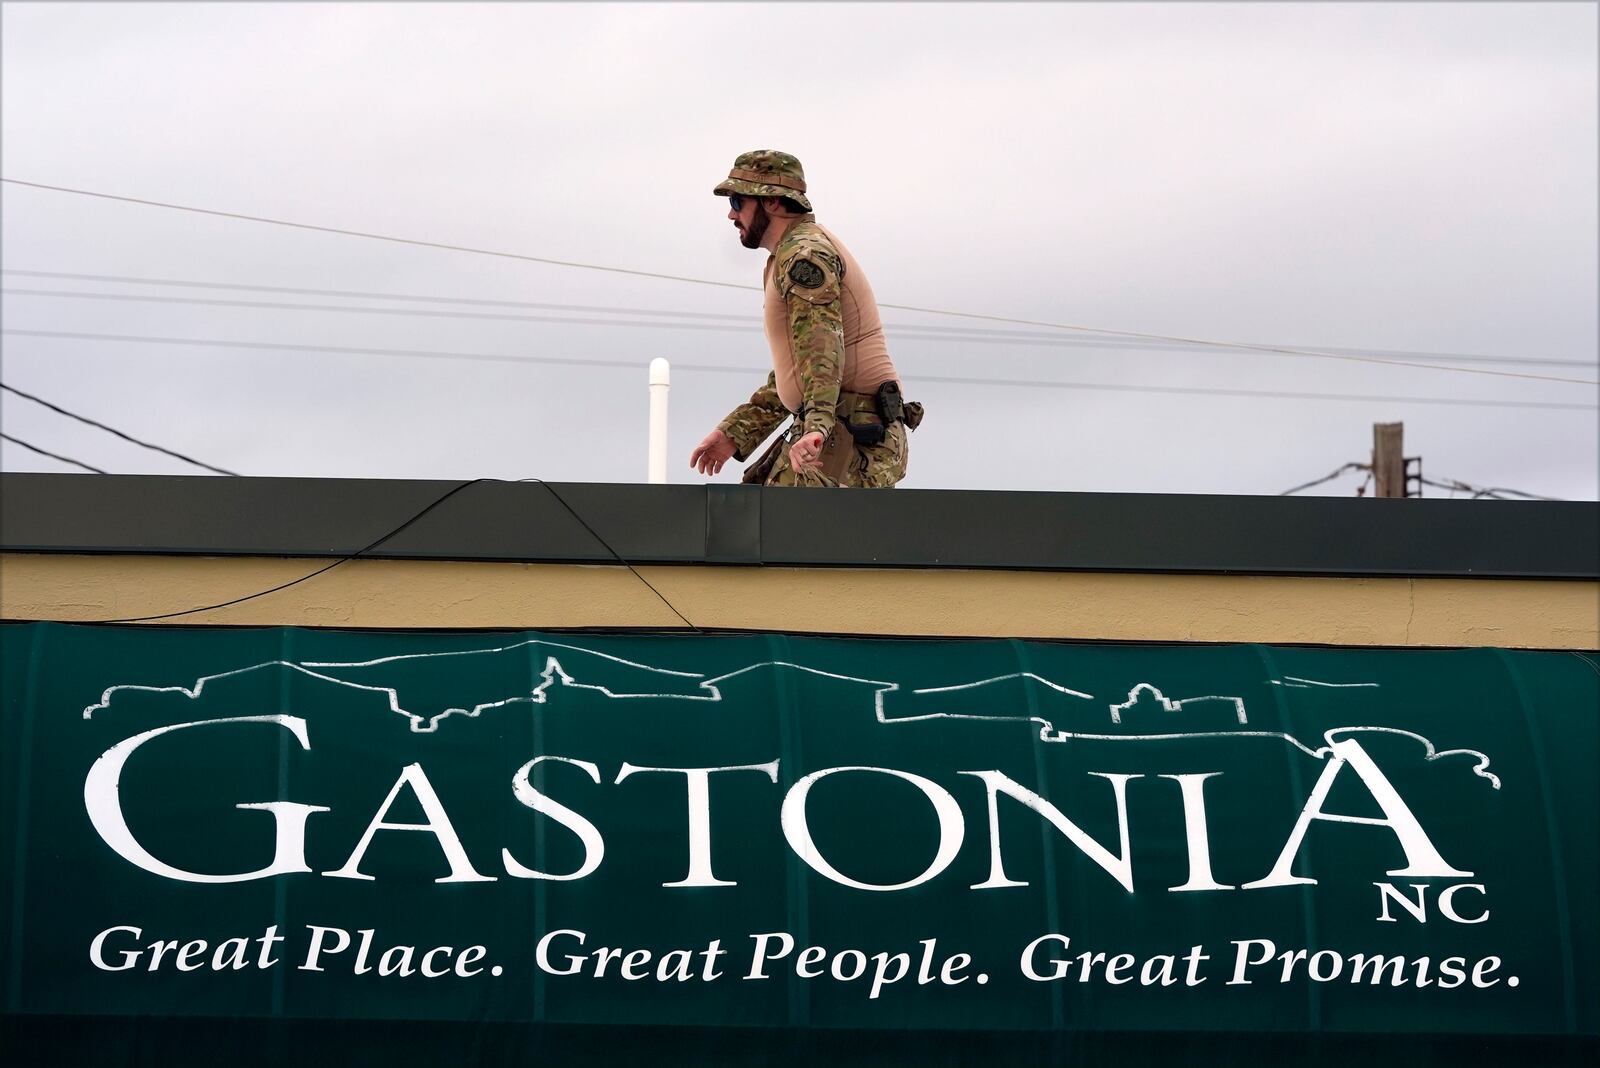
pixel 436 502
pixel 303 578
pixel 52 455
pixel 344 559
pixel 596 535
pixel 113 430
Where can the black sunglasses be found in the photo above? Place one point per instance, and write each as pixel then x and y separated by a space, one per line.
pixel 735 201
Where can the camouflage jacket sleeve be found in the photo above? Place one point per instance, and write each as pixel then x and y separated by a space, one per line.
pixel 808 275
pixel 750 423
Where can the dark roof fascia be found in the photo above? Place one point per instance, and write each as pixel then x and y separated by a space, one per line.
pixel 684 524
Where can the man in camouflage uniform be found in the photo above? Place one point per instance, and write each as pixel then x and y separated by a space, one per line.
pixel 831 367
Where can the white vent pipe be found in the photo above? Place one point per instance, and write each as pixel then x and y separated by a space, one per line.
pixel 660 383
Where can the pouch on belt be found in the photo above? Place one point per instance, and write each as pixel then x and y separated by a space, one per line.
pixel 756 474
pixel 838 452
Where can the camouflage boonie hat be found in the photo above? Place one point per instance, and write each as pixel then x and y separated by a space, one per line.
pixel 766 172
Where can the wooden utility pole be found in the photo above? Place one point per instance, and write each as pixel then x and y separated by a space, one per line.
pixel 1388 460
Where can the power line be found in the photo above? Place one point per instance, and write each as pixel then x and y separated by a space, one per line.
pixel 344 350
pixel 378 237
pixel 743 323
pixel 739 323
pixel 52 455
pixel 751 372
pixel 1270 394
pixel 493 316
pixel 113 430
pixel 143 298
pixel 1327 478
pixel 899 329
pixel 1495 492
pixel 370 295
pixel 1320 354
pixel 1307 353
pixel 1450 484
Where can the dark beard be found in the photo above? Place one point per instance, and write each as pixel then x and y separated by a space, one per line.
pixel 752 235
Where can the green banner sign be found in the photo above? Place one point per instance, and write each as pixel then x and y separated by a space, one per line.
pixel 783 838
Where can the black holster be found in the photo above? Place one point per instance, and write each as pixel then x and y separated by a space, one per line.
pixel 892 408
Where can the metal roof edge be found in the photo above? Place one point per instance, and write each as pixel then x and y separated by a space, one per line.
pixel 731 524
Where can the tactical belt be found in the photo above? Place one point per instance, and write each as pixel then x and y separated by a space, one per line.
pixel 851 405
pixel 868 416
pixel 865 416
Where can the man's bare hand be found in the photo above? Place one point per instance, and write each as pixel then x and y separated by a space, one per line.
pixel 709 456
pixel 804 454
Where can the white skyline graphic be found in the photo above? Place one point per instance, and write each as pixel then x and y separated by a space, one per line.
pixel 696 687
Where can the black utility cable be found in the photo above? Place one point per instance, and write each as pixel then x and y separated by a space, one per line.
pixel 1310 353
pixel 1449 484
pixel 745 327
pixel 1476 491
pixel 1001 383
pixel 303 578
pixel 739 323
pixel 596 534
pixel 53 456
pixel 397 530
pixel 1326 478
pixel 113 430
pixel 370 295
pixel 923 331
pixel 374 237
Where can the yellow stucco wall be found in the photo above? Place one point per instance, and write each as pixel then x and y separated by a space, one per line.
pixel 1528 614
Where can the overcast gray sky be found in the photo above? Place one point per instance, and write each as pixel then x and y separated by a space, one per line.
pixel 1390 178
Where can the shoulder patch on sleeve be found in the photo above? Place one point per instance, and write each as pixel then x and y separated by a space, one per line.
pixel 805 273
pixel 809 268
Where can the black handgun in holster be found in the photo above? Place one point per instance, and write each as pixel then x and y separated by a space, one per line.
pixel 896 409
pixel 870 425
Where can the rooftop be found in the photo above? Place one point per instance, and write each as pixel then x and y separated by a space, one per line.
pixel 710 524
